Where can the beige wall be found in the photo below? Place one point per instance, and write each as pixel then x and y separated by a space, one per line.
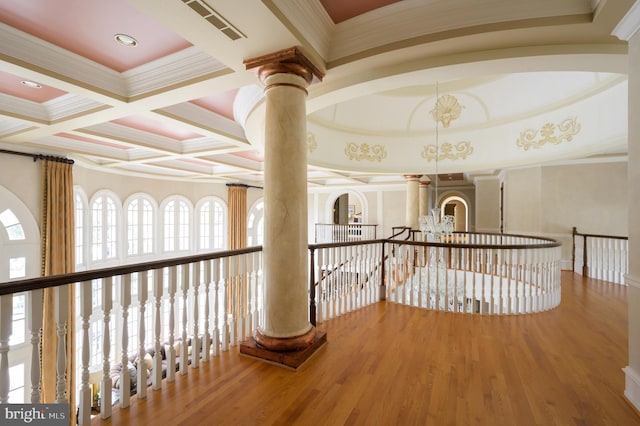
pixel 592 197
pixel 92 180
pixel 488 204
pixel 21 176
pixel 549 201
pixel 522 200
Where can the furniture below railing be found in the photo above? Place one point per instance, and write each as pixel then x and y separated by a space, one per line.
pixel 603 257
pixel 333 233
pixel 140 325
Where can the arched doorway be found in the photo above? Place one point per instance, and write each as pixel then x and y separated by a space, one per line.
pixel 457 207
pixel 347 207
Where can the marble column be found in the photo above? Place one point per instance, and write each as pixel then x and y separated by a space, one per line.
pixel 286 327
pixel 413 197
pixel 629 30
pixel 423 196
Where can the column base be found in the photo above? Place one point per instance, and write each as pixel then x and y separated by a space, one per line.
pixel 286 352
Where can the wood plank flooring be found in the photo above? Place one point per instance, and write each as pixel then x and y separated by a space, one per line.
pixel 396 365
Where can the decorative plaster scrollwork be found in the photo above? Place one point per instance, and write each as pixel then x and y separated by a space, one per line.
pixel 462 150
pixel 447 109
pixel 365 152
pixel 312 145
pixel 568 128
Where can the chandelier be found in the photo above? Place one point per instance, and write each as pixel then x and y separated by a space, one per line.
pixel 434 226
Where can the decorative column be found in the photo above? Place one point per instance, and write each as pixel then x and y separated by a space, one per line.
pixel 286 335
pixel 629 30
pixel 423 197
pixel 411 213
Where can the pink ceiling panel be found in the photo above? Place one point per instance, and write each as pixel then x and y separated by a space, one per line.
pixel 12 85
pixel 159 128
pixel 250 155
pixel 94 141
pixel 341 10
pixel 88 28
pixel 220 103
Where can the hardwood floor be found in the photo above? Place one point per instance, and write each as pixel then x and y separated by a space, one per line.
pixel 395 365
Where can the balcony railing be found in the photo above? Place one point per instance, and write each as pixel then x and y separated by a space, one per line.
pixel 603 257
pixel 476 274
pixel 172 315
pixel 332 233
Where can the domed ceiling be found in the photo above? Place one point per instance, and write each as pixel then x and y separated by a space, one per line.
pixel 522 83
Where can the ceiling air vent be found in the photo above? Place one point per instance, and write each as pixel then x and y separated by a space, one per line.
pixel 214 18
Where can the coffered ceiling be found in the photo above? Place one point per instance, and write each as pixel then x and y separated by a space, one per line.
pixel 528 82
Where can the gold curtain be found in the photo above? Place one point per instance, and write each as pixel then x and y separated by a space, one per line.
pixel 237 216
pixel 57 256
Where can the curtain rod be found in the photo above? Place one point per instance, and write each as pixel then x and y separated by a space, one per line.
pixel 38 156
pixel 244 185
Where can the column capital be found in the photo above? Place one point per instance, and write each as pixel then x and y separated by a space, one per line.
pixel 424 183
pixel 412 177
pixel 287 61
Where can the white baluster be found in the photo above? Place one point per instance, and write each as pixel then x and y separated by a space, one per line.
pixel 184 347
pixel 156 378
pixel 241 299
pixel 251 303
pixel 6 324
pixel 143 291
pixel 171 354
pixel 85 397
pixel 206 336
pixel 225 279
pixel 195 342
pixel 125 376
pixel 34 323
pixel 321 289
pixel 106 384
pixel 232 291
pixel 62 317
pixel 215 338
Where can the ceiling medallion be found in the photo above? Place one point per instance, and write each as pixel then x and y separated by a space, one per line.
pixel 365 152
pixel 446 110
pixel 462 150
pixel 312 145
pixel 568 128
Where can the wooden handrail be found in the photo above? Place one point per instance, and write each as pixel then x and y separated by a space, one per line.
pixel 18 286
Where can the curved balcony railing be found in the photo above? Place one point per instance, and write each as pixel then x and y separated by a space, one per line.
pixel 476 273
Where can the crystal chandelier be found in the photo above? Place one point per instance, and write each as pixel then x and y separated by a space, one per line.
pixel 433 226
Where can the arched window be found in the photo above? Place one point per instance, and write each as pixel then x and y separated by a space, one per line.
pixel 19 258
pixel 140 220
pixel 80 219
pixel 176 215
pixel 104 226
pixel 255 224
pixel 212 224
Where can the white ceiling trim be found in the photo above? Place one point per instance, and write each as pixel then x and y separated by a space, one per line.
pixel 630 24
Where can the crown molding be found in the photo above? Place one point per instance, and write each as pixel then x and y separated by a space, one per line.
pixel 629 24
pixel 185 65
